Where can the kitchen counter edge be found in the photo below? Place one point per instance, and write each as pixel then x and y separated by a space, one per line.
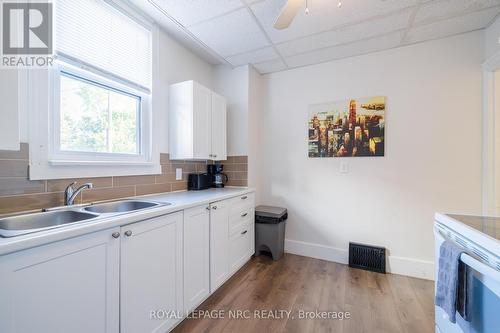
pixel 180 201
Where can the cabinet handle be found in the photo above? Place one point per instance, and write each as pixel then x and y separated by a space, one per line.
pixel 244 232
pixel 115 234
pixel 215 155
pixel 128 233
pixel 243 215
pixel 244 197
pixel 207 208
pixel 214 207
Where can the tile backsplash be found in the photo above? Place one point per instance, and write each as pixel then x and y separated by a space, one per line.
pixel 18 193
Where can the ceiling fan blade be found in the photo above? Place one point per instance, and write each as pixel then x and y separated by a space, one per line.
pixel 287 14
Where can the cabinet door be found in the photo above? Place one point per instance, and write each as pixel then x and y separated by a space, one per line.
pixel 151 274
pixel 219 244
pixel 219 150
pixel 67 286
pixel 202 130
pixel 196 256
pixel 241 246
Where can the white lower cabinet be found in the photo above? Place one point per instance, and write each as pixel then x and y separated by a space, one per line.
pixel 151 274
pixel 67 286
pixel 196 256
pixel 142 277
pixel 219 243
pixel 232 237
pixel 241 247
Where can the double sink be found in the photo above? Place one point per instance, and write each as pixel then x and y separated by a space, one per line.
pixel 29 223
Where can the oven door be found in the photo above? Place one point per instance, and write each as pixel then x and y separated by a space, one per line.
pixel 485 303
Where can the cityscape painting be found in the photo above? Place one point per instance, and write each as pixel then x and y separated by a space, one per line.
pixel 349 128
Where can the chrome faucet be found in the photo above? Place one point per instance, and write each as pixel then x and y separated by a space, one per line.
pixel 70 193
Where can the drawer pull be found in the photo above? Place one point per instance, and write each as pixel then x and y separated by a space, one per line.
pixel 244 197
pixel 244 232
pixel 243 215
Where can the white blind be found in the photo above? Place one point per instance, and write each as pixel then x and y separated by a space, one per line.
pixel 98 35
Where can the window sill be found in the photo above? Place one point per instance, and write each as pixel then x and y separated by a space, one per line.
pixel 100 163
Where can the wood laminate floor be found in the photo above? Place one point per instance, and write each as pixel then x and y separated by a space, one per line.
pixel 375 302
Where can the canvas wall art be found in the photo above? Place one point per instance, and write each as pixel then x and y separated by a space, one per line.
pixel 349 128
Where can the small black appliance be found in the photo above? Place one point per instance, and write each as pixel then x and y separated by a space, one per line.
pixel 219 179
pixel 199 181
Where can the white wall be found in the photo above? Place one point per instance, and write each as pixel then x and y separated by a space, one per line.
pixel 491 39
pixel 176 64
pixel 233 84
pixel 432 158
pixel 9 126
pixel 257 88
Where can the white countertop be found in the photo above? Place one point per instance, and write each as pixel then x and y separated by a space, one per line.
pixel 178 201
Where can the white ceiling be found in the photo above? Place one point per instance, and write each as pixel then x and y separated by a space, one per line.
pixel 238 32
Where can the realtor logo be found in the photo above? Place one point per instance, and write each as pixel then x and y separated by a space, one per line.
pixel 27 30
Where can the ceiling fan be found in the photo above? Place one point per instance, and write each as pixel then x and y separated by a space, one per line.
pixel 289 10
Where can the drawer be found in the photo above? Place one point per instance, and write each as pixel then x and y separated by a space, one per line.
pixel 241 246
pixel 241 203
pixel 240 217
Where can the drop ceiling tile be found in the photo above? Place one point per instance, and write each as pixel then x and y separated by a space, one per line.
pixel 234 33
pixel 189 12
pixel 347 34
pixel 324 15
pixel 249 2
pixel 452 26
pixel 270 66
pixel 253 57
pixel 435 10
pixel 347 50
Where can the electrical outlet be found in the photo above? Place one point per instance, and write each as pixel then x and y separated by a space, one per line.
pixel 344 167
pixel 178 174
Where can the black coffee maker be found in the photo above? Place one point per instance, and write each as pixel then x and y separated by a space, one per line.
pixel 218 177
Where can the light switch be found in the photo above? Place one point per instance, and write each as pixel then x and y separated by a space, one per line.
pixel 178 174
pixel 344 167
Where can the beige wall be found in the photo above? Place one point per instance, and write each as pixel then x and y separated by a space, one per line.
pixel 432 157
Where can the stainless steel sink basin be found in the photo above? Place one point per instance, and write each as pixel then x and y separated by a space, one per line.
pixel 120 206
pixel 25 224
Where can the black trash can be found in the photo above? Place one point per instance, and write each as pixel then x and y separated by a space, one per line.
pixel 270 230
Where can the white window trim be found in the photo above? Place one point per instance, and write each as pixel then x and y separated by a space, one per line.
pixel 56 156
pixel 42 96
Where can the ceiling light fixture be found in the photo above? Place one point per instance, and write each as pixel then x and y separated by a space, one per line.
pixel 290 9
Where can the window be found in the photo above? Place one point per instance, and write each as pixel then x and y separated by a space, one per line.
pixel 99 119
pixel 102 84
pixel 99 106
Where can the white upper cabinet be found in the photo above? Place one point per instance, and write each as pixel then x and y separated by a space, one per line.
pixel 219 152
pixel 197 122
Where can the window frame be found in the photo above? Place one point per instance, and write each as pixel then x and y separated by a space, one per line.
pixel 37 93
pixel 59 157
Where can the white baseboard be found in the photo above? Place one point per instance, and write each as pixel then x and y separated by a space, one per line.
pixel 411 267
pixel 317 251
pixel 396 265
